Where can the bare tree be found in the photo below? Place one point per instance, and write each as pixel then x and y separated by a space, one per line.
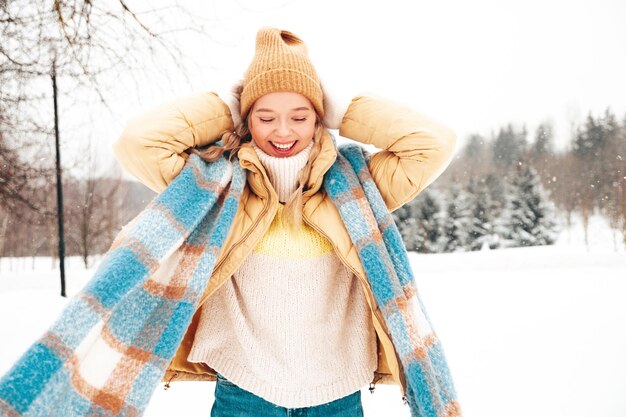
pixel 96 203
pixel 87 45
pixel 15 174
pixel 91 44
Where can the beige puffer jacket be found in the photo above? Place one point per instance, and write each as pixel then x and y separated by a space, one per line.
pixel 415 150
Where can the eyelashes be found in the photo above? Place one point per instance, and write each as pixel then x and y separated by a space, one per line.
pixel 302 119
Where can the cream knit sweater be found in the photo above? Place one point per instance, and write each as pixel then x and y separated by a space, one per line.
pixel 292 325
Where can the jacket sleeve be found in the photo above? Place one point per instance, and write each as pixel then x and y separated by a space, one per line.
pixel 415 149
pixel 152 146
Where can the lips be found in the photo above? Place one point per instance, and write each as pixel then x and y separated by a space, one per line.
pixel 283 146
pixel 283 149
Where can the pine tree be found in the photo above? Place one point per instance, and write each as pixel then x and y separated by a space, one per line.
pixel 544 140
pixel 480 225
pixel 412 235
pixel 509 147
pixel 457 221
pixel 532 216
pixel 421 222
pixel 474 147
pixel 593 136
pixel 433 220
pixel 498 191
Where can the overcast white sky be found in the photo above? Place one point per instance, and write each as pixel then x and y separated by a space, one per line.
pixel 475 65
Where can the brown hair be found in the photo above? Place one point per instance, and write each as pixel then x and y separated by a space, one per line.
pixel 232 142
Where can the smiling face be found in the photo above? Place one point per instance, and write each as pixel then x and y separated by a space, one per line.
pixel 282 124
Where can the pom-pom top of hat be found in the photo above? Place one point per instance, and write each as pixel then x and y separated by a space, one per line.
pixel 281 63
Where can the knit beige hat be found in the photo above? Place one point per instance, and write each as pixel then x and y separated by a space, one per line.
pixel 280 63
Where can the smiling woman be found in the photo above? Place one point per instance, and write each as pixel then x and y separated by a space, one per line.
pixel 300 326
pixel 289 260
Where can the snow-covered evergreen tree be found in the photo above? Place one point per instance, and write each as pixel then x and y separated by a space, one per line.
pixel 530 212
pixel 407 225
pixel 457 220
pixel 421 222
pixel 509 147
pixel 412 234
pixel 480 225
pixel 430 217
pixel 498 190
pixel 544 141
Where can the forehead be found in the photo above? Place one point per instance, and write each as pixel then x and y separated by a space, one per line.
pixel 282 101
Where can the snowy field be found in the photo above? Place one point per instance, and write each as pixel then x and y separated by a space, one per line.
pixel 528 332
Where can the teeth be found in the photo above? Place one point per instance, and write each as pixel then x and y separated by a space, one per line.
pixel 283 146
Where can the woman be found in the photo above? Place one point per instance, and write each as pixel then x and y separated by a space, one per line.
pixel 288 320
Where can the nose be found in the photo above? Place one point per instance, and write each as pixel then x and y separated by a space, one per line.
pixel 283 129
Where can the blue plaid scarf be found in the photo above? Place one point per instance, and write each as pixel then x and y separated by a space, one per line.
pixel 112 344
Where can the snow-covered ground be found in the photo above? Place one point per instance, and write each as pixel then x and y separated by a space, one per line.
pixel 528 332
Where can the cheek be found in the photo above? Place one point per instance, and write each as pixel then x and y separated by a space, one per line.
pixel 257 132
pixel 306 132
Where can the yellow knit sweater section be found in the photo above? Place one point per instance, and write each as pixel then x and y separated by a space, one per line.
pixel 281 242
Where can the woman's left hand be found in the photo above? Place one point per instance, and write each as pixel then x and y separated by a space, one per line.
pixel 335 107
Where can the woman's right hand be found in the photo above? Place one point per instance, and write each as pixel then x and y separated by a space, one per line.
pixel 232 98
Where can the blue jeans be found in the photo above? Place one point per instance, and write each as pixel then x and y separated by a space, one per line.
pixel 232 401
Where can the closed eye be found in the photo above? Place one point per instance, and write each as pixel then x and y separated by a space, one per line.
pixel 266 120
pixel 300 120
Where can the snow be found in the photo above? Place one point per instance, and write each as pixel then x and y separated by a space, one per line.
pixel 535 331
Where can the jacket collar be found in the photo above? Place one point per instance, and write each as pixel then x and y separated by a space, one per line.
pixel 259 181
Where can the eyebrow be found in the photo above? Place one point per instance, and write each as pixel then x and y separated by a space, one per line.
pixel 270 110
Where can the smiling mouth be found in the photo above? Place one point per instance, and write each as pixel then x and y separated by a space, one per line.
pixel 283 146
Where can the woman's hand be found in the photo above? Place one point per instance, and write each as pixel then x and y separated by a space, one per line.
pixel 232 98
pixel 335 106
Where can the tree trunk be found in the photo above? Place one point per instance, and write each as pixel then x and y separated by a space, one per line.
pixel 3 233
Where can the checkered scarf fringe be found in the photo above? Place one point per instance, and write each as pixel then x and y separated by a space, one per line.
pixel 112 344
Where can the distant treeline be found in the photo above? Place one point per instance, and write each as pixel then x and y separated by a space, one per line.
pixel 507 190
